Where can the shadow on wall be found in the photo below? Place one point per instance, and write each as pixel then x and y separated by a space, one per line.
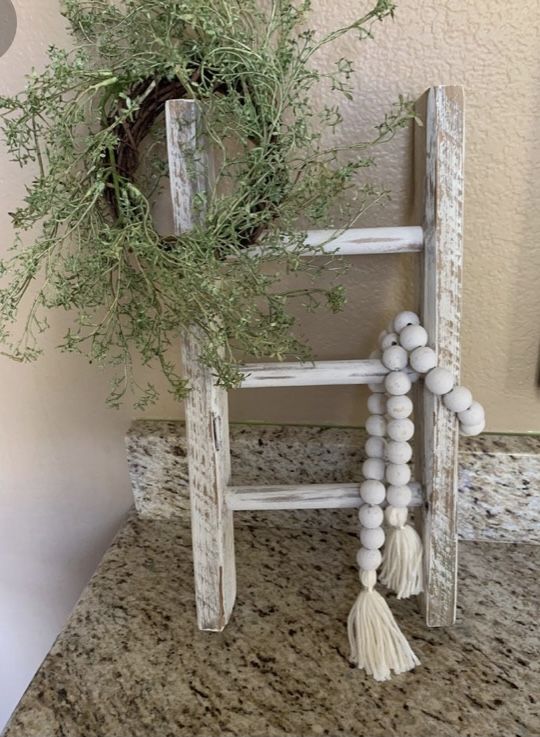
pixel 8 25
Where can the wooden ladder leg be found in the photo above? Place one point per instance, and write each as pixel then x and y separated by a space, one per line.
pixel 207 425
pixel 212 531
pixel 443 145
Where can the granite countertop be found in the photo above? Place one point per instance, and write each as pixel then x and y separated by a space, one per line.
pixel 132 662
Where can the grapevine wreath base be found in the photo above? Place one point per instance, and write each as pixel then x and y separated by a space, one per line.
pixel 90 127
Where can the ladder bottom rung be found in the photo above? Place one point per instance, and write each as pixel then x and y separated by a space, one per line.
pixel 304 496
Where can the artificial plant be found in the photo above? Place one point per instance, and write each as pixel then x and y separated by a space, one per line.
pixel 91 124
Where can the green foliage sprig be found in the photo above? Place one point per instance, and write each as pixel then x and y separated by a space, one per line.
pixel 91 123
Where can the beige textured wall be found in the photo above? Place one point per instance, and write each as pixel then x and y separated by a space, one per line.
pixel 64 486
pixel 493 50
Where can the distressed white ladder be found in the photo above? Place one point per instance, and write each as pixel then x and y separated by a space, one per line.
pixel 439 149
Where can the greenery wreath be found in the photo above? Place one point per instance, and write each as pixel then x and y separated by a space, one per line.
pixel 91 126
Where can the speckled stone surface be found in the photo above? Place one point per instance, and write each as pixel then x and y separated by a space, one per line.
pixel 499 475
pixel 132 662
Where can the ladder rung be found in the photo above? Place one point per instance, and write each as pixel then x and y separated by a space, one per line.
pixel 305 496
pixel 318 373
pixel 366 241
pixel 360 241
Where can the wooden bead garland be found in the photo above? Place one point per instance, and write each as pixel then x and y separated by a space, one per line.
pixel 458 400
pixel 377 644
pixel 423 359
pixel 413 337
pixel 439 381
pixel 399 408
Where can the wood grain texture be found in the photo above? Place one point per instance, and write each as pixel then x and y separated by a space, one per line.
pixel 364 241
pixel 443 141
pixel 368 241
pixel 303 496
pixel 318 373
pixel 206 404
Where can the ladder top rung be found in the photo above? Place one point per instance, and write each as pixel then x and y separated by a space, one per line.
pixel 366 241
pixel 318 373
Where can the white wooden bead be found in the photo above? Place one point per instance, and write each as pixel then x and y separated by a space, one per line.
pixel 373 468
pixel 395 358
pixel 398 474
pixel 474 415
pixel 423 360
pixel 400 430
pixel 377 388
pixel 370 516
pixel 399 496
pixel 372 492
pixel 405 318
pixel 412 337
pixel 397 452
pixel 389 340
pixel 397 383
pixel 368 560
pixel 376 404
pixel 375 447
pixel 459 399
pixel 376 425
pixel 382 336
pixel 469 430
pixel 439 381
pixel 375 354
pixel 372 539
pixel 399 407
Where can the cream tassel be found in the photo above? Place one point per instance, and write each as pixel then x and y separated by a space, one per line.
pixel 402 567
pixel 377 644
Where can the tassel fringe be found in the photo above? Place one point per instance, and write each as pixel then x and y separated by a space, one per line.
pixel 402 566
pixel 377 644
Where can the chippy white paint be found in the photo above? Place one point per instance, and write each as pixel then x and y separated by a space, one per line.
pixel 207 426
pixel 442 139
pixel 206 410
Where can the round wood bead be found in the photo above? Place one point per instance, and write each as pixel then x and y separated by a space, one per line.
pixel 470 430
pixel 397 383
pixel 376 404
pixel 373 468
pixel 423 359
pixel 382 336
pixel 375 447
pixel 397 452
pixel 376 425
pixel 474 415
pixel 389 340
pixel 400 430
pixel 377 388
pixel 459 399
pixel 368 560
pixel 372 539
pixel 405 318
pixel 439 381
pixel 399 496
pixel 370 516
pixel 412 337
pixel 395 358
pixel 372 492
pixel 399 407
pixel 398 474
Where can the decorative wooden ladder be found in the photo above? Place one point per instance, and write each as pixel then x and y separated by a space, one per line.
pixel 439 150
